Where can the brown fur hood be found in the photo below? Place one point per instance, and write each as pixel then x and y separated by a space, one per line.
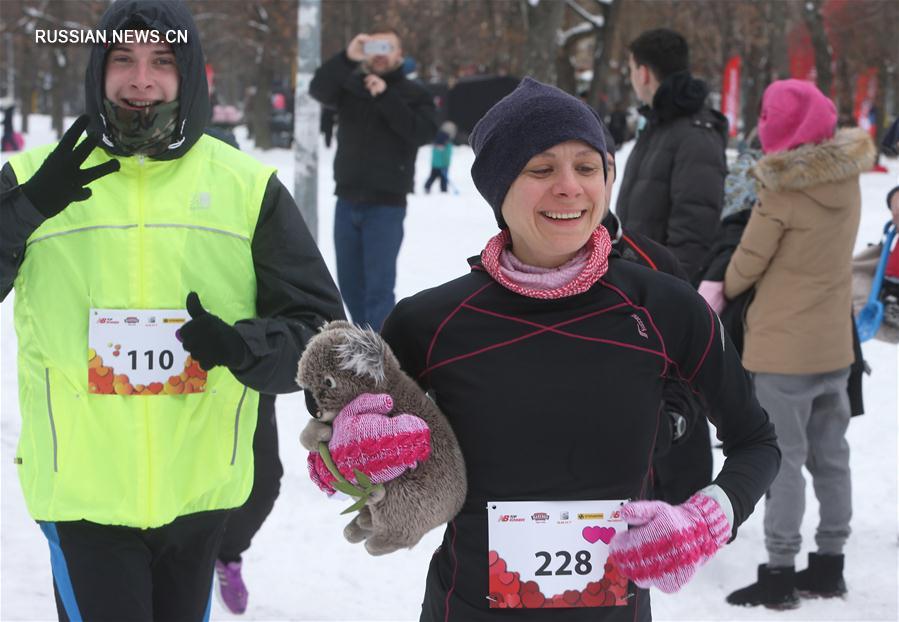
pixel 850 152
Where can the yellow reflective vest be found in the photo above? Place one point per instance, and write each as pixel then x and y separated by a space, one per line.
pixel 151 233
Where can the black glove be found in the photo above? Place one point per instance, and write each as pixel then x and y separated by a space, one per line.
pixel 210 340
pixel 60 180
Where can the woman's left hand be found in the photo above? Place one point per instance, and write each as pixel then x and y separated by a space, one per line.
pixel 669 542
pixel 713 292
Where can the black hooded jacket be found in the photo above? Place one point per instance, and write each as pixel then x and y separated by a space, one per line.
pixel 673 185
pixel 295 293
pixel 377 137
pixel 193 93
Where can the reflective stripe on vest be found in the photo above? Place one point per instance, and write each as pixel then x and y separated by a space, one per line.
pixel 150 234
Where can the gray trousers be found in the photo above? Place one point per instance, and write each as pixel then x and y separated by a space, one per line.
pixel 810 415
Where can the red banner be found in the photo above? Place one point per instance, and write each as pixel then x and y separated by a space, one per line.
pixel 730 93
pixel 210 77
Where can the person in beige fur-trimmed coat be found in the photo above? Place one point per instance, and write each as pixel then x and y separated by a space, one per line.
pixel 797 251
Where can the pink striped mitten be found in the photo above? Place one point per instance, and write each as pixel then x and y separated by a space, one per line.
pixel 669 542
pixel 365 438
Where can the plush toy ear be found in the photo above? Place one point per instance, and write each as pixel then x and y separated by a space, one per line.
pixel 334 325
pixel 362 351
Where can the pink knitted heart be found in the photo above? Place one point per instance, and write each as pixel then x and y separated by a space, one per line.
pixel 595 533
pixel 364 438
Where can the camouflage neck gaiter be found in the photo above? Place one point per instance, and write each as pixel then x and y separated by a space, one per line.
pixel 146 132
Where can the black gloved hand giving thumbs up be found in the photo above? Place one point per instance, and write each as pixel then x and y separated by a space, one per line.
pixel 210 340
pixel 60 180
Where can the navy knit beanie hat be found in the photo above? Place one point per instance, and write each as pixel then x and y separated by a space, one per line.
pixel 529 120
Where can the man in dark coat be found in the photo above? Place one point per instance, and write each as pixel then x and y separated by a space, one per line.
pixel 673 185
pixel 384 119
pixel 672 192
pixel 681 459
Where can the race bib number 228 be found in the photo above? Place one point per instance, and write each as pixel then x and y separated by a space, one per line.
pixel 553 554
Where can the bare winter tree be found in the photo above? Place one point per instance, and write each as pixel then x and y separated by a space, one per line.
pixel 541 21
pixel 776 17
pixel 253 43
pixel 814 21
pixel 604 30
pixel 48 76
pixel 579 26
pixel 18 59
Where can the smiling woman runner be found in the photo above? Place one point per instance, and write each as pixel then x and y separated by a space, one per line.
pixel 549 359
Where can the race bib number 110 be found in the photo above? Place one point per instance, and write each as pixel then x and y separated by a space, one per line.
pixel 136 352
pixel 552 554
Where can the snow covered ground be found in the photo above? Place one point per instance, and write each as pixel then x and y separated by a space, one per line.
pixel 300 568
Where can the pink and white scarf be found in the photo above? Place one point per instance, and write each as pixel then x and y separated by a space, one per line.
pixel 575 276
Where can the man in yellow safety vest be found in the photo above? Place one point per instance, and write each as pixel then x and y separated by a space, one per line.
pixel 163 279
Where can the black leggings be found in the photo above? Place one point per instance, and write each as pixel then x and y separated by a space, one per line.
pixel 108 572
pixel 245 521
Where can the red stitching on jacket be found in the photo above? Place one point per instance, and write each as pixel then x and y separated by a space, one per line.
pixel 640 251
pixel 648 316
pixel 553 328
pixel 447 319
pixel 542 329
pixel 537 324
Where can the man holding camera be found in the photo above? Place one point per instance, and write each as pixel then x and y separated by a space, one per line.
pixel 383 120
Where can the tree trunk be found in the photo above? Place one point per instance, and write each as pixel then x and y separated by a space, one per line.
pixel 811 15
pixel 25 82
pixel 498 56
pixel 57 91
pixel 565 78
pixel 777 39
pixel 725 23
pixel 755 74
pixel 880 105
pixel 604 37
pixel 845 89
pixel 755 81
pixel 544 22
pixel 262 106
pixel 438 45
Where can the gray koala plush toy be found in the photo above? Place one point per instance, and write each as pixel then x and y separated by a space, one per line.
pixel 343 362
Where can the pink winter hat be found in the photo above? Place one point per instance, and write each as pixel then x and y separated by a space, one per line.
pixel 795 112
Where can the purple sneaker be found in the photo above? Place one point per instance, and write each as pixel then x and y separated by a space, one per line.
pixel 232 592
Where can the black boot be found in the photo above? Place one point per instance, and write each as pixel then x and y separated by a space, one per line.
pixel 775 589
pixel 823 578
